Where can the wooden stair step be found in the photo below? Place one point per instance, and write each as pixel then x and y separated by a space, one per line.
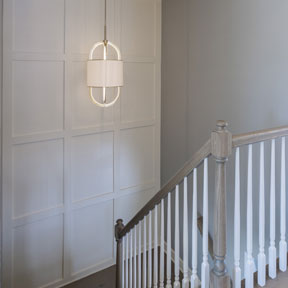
pixel 281 281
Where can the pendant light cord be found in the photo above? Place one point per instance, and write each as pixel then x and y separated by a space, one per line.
pixel 105 21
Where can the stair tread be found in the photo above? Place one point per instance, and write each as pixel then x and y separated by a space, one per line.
pixel 281 281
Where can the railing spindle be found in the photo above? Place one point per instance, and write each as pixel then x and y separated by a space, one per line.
pixel 194 277
pixel 135 257
pixel 155 247
pixel 205 264
pixel 237 269
pixel 139 255
pixel 127 261
pixel 123 263
pixel 272 248
pixel 185 280
pixel 161 278
pixel 144 253
pixel 176 266
pixel 168 272
pixel 131 261
pixel 283 243
pixel 150 251
pixel 261 255
pixel 249 281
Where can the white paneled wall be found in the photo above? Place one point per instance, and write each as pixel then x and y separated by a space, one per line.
pixel 70 169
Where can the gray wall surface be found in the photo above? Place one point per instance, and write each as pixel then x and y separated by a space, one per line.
pixel 233 58
pixel 238 66
pixel 221 60
pixel 174 133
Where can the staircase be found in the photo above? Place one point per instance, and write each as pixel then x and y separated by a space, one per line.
pixel 160 233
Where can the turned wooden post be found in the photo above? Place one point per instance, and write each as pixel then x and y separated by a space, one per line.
pixel 221 148
pixel 118 228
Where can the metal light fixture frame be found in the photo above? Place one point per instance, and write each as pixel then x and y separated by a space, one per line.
pixel 105 44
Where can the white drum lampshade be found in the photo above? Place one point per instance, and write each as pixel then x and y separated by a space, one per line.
pixel 105 73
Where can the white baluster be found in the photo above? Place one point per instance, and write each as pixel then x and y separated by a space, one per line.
pixel 205 264
pixel 127 259
pixel 150 251
pixel 194 277
pixel 144 253
pixel 135 257
pixel 249 269
pixel 155 247
pixel 272 248
pixel 123 263
pixel 168 272
pixel 283 243
pixel 185 281
pixel 139 255
pixel 176 266
pixel 131 260
pixel 237 269
pixel 261 255
pixel 161 278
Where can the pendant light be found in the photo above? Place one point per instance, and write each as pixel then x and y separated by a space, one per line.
pixel 104 73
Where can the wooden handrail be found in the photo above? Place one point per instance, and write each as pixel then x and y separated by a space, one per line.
pixel 197 158
pixel 259 136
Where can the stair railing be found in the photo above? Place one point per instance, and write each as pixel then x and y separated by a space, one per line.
pixel 146 270
pixel 137 242
pixel 256 142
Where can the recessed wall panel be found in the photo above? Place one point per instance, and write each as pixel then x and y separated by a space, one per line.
pixel 137 156
pixel 38 88
pixel 33 29
pixel 138 97
pixel 86 20
pixel 38 253
pixel 92 236
pixel 85 113
pixel 37 177
pixel 92 165
pixel 134 201
pixel 138 15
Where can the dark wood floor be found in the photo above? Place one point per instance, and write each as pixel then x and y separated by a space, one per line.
pixel 103 279
pixel 107 278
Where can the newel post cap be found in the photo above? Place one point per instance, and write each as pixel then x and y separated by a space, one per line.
pixel 118 228
pixel 221 141
pixel 221 124
pixel 119 221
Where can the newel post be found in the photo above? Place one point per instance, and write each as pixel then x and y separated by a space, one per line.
pixel 118 228
pixel 221 147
